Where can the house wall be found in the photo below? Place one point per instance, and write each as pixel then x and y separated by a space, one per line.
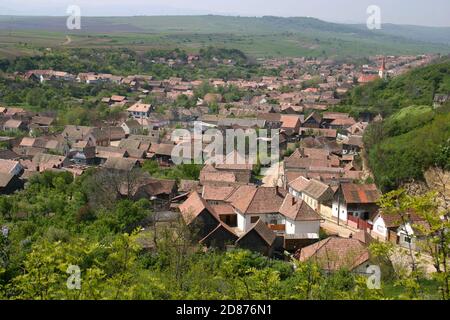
pixel 220 239
pixel 204 224
pixel 294 193
pixel 379 228
pixel 313 203
pixel 402 234
pixel 14 185
pixel 244 221
pixel 326 211
pixel 16 170
pixel 252 241
pixel 139 115
pixel 290 226
pixel 343 210
pixel 241 221
pixel 302 227
pixel 125 128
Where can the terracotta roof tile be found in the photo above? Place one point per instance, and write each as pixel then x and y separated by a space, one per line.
pixel 360 193
pixel 193 206
pixel 298 210
pixel 335 253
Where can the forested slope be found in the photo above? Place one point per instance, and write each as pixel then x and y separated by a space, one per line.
pixel 413 136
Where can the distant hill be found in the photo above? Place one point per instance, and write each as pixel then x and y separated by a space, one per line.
pixel 264 36
pixel 212 24
pixel 417 33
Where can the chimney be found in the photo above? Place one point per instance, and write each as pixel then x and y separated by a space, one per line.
pixel 351 236
pixel 277 188
pixel 293 201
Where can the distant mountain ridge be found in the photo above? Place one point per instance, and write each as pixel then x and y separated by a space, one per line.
pixel 211 24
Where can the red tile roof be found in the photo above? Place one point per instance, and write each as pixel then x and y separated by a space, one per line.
pixel 335 253
pixel 360 193
pixel 298 210
pixel 193 207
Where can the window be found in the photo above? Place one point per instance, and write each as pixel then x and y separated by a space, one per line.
pixel 407 239
pixel 254 219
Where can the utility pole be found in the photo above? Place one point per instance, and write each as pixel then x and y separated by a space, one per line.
pixel 339 206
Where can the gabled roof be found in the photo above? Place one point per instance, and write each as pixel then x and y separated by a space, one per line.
pixel 194 206
pixel 162 149
pixel 299 184
pixel 314 116
pixel 335 253
pixel 217 193
pixel 76 132
pixel 140 107
pixel 360 193
pixel 298 210
pixel 8 155
pixel 355 141
pixel 12 123
pixel 318 190
pixel 221 227
pixel 335 115
pixel 290 121
pixel 263 231
pixel 343 122
pixel 46 121
pixel 252 200
pixel 123 164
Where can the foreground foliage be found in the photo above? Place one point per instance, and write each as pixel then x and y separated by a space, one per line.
pixel 55 224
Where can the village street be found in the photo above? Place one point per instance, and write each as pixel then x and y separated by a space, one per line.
pixel 272 175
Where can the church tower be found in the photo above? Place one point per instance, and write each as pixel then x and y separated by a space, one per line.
pixel 382 72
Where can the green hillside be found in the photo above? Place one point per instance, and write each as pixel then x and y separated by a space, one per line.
pixel 414 136
pixel 416 87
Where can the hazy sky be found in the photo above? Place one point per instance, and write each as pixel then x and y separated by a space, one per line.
pixel 419 12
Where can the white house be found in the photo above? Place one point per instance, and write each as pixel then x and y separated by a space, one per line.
pixel 301 221
pixel 355 202
pixel 408 233
pixel 385 226
pixel 131 127
pixel 252 204
pixel 297 186
pixel 139 110
pixel 316 194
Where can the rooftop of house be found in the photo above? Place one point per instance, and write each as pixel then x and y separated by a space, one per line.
pixel 299 184
pixel 290 121
pixel 318 190
pixel 193 207
pixel 263 231
pixel 360 193
pixel 298 210
pixel 217 193
pixel 140 107
pixel 335 253
pixel 252 200
pixel 6 166
pixel 122 164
